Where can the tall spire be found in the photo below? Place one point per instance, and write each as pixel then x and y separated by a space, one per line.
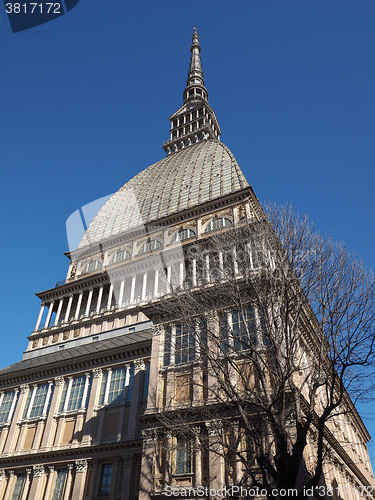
pixel 195 121
pixel 195 77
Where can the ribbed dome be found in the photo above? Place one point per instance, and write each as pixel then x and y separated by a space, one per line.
pixel 192 176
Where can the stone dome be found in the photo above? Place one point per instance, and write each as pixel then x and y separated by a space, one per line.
pixel 197 174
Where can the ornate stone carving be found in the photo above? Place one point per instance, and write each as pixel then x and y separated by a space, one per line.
pixel 97 372
pixel 38 470
pixel 11 473
pixel 29 471
pixel 139 364
pixel 35 343
pixel 65 335
pixel 45 340
pixel 148 436
pixel 73 271
pixel 25 388
pixel 70 466
pixel 59 380
pixel 76 332
pixel 51 469
pixel 214 427
pixel 81 465
pixel 157 330
pixel 2 474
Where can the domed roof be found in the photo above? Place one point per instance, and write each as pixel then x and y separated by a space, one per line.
pixel 200 173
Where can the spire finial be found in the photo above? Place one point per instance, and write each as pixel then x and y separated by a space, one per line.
pixel 195 76
pixel 195 121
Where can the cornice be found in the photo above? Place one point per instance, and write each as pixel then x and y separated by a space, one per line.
pixel 70 454
pixel 76 364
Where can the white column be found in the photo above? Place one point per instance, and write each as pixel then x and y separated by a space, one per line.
pixel 27 484
pixel 169 274
pixel 89 299
pixel 13 405
pixel 221 263
pixel 59 312
pixel 121 294
pixel 182 273
pixel 51 471
pixel 132 290
pixel 1 398
pixel 110 293
pixel 85 390
pixel 106 394
pixel 40 316
pixel 194 272
pixel 35 387
pixel 208 268
pixel 156 283
pixel 235 263
pixel 67 396
pixel 78 308
pixel 50 309
pixel 46 402
pixel 99 303
pixel 144 286
pixel 127 379
pixel 66 319
pixel 173 345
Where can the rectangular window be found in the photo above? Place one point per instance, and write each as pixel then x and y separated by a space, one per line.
pixel 224 333
pixel 58 490
pixel 76 393
pixel 39 401
pixel 116 387
pixel 18 487
pixel 105 480
pixel 6 405
pixel 183 456
pixel 243 327
pixel 102 388
pixel 185 344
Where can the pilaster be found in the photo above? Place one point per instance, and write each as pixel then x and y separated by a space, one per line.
pixel 47 439
pixel 79 480
pixel 38 481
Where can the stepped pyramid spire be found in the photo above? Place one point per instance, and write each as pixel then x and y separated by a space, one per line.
pixel 195 121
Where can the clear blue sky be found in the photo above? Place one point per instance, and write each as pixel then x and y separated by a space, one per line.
pixel 85 101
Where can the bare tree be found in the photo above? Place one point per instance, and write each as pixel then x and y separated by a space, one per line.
pixel 272 338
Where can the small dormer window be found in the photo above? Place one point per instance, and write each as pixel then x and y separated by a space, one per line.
pixel 120 255
pixel 184 234
pixel 218 223
pixel 92 266
pixel 150 245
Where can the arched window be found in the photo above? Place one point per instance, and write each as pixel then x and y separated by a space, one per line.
pixel 120 255
pixel 91 266
pixel 218 223
pixel 183 234
pixel 150 245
